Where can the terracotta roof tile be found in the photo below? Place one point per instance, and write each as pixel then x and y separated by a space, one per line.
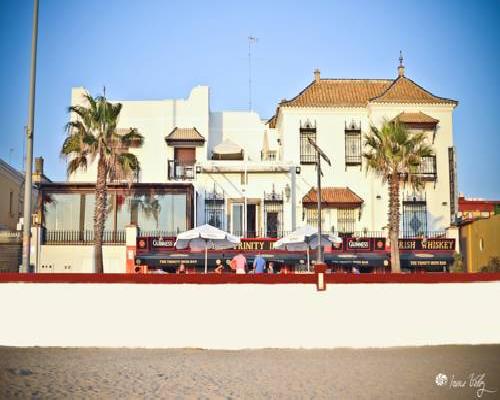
pixel 418 117
pixel 333 196
pixel 404 90
pixel 339 93
pixel 185 134
pixel 358 93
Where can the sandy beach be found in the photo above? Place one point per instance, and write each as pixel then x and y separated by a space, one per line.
pixel 54 373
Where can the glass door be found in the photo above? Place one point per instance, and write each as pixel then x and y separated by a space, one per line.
pixel 237 215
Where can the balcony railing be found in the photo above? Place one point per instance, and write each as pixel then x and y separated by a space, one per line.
pixel 81 237
pixel 120 178
pixel 426 171
pixel 181 169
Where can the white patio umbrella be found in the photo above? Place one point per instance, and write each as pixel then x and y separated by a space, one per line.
pixel 305 238
pixel 205 236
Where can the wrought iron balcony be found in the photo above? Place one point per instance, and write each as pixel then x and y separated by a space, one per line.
pixel 426 171
pixel 178 170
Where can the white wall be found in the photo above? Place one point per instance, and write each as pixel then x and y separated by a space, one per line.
pixel 330 125
pixel 155 120
pixel 78 258
pixel 187 315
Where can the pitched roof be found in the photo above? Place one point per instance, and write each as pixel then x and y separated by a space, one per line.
pixel 333 195
pixel 416 118
pixel 358 93
pixel 338 93
pixel 404 90
pixel 184 135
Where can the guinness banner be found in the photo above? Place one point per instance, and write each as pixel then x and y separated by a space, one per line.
pixel 365 244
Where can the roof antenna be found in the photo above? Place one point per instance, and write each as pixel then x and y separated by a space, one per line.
pixel 401 68
pixel 251 39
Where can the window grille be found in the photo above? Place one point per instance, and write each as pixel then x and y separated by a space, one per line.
pixel 307 152
pixel 214 209
pixel 346 220
pixel 414 217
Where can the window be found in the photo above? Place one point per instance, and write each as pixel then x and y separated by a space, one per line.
pixel 346 220
pixel 307 152
pixel 414 217
pixel 453 187
pixel 182 166
pixel 164 212
pixel 312 216
pixel 427 168
pixel 271 155
pixel 11 203
pixel 214 209
pixel 62 211
pixel 352 143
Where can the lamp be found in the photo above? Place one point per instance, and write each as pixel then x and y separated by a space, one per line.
pixel 297 170
pixel 287 192
pixel 198 169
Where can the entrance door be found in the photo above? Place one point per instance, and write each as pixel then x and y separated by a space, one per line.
pixel 272 224
pixel 251 220
pixel 237 218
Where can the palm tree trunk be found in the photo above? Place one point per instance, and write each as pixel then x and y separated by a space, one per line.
pixel 394 222
pixel 99 214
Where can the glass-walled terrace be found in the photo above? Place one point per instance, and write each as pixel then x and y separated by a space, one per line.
pixel 68 216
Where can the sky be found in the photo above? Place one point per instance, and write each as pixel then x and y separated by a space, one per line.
pixel 160 49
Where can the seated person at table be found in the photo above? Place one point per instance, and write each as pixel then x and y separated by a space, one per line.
pixel 300 267
pixel 181 269
pixel 219 268
pixel 270 267
pixel 259 264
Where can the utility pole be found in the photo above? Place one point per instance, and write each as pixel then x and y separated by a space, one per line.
pixel 251 39
pixel 319 155
pixel 29 146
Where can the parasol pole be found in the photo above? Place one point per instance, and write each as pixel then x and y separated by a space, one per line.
pixel 206 256
pixel 308 264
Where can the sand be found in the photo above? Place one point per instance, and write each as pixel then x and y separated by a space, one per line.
pixel 403 373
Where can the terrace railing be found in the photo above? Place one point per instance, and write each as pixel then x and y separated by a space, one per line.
pixel 81 237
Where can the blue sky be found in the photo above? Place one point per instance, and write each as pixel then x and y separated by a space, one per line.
pixel 160 49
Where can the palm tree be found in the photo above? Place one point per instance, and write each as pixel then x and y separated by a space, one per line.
pixel 93 135
pixel 395 153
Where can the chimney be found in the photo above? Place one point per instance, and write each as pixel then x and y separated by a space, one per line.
pixel 317 75
pixel 401 67
pixel 39 165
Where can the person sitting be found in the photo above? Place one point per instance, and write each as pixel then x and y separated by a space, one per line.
pixel 182 268
pixel 219 268
pixel 300 267
pixel 259 264
pixel 270 267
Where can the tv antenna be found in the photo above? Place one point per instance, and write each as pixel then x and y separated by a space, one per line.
pixel 251 40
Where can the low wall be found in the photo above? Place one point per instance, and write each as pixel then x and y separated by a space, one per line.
pixel 80 259
pixel 190 311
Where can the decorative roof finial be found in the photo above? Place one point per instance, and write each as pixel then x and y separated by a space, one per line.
pixel 401 67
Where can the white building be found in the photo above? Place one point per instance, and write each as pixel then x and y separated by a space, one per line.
pixel 256 178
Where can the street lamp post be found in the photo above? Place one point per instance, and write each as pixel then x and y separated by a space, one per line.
pixel 320 154
pixel 29 147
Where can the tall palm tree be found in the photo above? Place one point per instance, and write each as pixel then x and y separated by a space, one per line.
pixel 92 135
pixel 395 153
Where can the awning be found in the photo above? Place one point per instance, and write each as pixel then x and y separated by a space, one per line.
pixel 356 260
pixel 227 150
pixel 197 260
pixel 431 262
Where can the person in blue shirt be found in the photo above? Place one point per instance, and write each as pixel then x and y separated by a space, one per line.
pixel 259 264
